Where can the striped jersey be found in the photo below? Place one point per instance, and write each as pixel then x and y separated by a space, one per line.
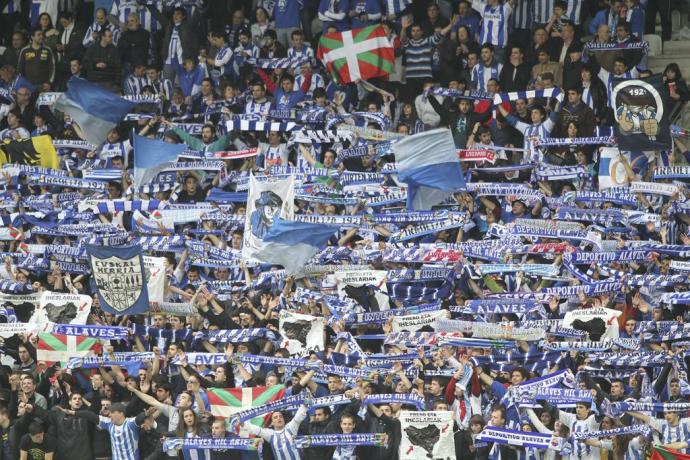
pixel 574 11
pixel 531 131
pixel 522 15
pixel 96 27
pixel 304 51
pixel 253 107
pixel 134 85
pixel 395 7
pixel 669 434
pixel 162 87
pixel 316 82
pixel 124 439
pixel 38 7
pixel 543 9
pixel 223 61
pixel 13 6
pixel 481 74
pixel 419 56
pixel 581 451
pixel 494 22
pixel 282 442
pixel 609 79
pixel 121 9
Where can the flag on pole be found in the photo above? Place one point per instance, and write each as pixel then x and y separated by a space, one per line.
pixel 58 347
pixel 358 54
pixel 428 163
pixel 225 402
pixel 291 244
pixel 95 109
pixel 664 453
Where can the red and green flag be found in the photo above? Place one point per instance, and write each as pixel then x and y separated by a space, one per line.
pixel 664 453
pixel 226 402
pixel 358 54
pixel 58 347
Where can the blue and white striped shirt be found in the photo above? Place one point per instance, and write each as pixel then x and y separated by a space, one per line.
pixel 481 74
pixel 162 86
pixel 543 9
pixel 13 6
pixel 96 27
pixel 669 434
pixel 494 22
pixel 282 442
pixel 522 15
pixel 124 439
pixel 38 7
pixel 134 85
pixel 574 11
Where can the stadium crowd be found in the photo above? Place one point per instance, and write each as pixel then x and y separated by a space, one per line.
pixel 535 300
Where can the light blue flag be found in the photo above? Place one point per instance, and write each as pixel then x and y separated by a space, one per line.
pixel 428 163
pixel 152 156
pixel 95 109
pixel 291 244
pixel 119 276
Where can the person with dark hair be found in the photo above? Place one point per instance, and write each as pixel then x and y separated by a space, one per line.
pixel 36 444
pixel 515 74
pixel 37 62
pixel 677 89
pixel 418 52
pixel 179 40
pixel 577 112
pixel 102 61
pixel 134 44
pixel 72 433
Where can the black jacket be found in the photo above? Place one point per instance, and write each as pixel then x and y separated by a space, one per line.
pixel 581 115
pixel 134 46
pixel 72 433
pixel 74 48
pixel 515 78
pixel 108 54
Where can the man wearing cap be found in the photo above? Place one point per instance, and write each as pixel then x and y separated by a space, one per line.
pixel 124 432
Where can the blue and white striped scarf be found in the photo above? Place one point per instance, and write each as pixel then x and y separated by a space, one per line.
pixel 499 98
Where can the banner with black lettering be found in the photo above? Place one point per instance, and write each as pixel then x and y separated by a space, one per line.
pixel 599 322
pixel 641 112
pixel 118 273
pixel 301 333
pixel 61 308
pixel 426 435
pixel 360 278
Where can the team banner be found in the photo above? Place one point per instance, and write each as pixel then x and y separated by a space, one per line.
pixel 521 438
pixel 61 308
pixel 266 201
pixel 119 275
pixel 211 444
pixel 375 279
pixel 301 333
pixel 640 108
pixel 599 322
pixel 413 323
pixel 155 278
pixel 426 435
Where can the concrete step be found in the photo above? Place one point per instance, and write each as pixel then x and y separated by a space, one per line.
pixel 659 63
